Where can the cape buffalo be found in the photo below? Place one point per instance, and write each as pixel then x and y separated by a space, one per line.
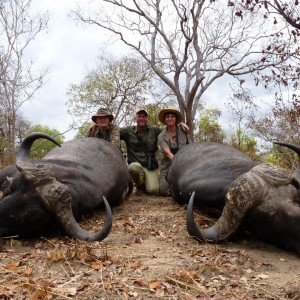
pixel 53 192
pixel 263 197
pixel 208 169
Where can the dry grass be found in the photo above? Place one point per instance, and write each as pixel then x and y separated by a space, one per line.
pixel 148 255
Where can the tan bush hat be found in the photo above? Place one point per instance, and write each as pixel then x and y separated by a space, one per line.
pixel 103 112
pixel 163 112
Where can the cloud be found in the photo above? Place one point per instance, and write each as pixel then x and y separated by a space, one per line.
pixel 69 51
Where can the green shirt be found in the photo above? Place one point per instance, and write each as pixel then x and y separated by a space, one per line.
pixel 140 144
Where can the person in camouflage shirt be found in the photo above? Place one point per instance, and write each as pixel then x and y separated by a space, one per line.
pixel 104 128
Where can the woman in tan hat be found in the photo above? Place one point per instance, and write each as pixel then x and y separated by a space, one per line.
pixel 104 128
pixel 170 140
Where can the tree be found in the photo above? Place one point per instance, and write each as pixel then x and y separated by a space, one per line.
pixel 82 130
pixel 245 143
pixel 18 79
pixel 278 12
pixel 191 44
pixel 242 109
pixel 41 147
pixel 117 84
pixel 289 10
pixel 209 128
pixel 281 122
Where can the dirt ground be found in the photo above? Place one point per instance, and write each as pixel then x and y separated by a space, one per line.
pixel 148 255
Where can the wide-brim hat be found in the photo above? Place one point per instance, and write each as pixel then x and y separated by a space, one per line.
pixel 102 112
pixel 163 112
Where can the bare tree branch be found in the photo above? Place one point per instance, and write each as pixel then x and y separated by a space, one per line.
pixel 191 44
pixel 18 80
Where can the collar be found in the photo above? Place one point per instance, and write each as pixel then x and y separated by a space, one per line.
pixel 136 131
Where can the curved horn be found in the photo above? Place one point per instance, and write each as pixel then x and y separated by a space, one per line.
pixel 24 150
pixel 212 234
pixel 190 221
pixel 291 146
pixel 245 192
pixel 57 198
pixel 297 150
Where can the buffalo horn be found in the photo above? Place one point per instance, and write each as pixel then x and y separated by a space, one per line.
pixel 225 226
pixel 57 198
pixel 244 193
pixel 55 195
pixel 23 155
pixel 297 150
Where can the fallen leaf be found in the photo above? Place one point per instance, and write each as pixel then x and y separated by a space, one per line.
pixel 13 266
pixel 5 294
pixel 96 265
pixel 154 284
pixel 67 291
pixel 159 293
pixel 136 264
pixel 39 294
pixel 141 282
pixel 261 276
pixel 28 271
pixel 133 294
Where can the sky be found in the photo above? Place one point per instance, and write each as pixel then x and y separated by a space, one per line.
pixel 69 51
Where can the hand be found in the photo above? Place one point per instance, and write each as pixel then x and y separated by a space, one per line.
pixel 167 152
pixel 91 129
pixel 185 128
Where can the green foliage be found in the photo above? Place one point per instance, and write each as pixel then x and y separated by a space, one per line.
pixel 120 85
pixel 154 108
pixel 41 147
pixel 244 143
pixel 209 127
pixel 283 157
pixel 82 131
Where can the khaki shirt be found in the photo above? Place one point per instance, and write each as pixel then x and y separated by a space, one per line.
pixel 112 134
pixel 138 145
pixel 164 140
pixel 164 143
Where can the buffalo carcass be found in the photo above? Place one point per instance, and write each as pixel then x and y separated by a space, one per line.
pixel 53 192
pixel 262 197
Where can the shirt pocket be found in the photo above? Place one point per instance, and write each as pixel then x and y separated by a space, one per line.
pixel 152 144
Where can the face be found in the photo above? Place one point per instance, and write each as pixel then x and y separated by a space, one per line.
pixel 170 119
pixel 22 213
pixel 102 121
pixel 141 119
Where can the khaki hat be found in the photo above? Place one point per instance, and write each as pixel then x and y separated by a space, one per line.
pixel 163 112
pixel 141 110
pixel 103 112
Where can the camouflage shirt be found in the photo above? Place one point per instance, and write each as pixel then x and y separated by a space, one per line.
pixel 140 144
pixel 112 134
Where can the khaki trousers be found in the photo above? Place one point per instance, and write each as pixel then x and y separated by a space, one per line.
pixel 144 178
